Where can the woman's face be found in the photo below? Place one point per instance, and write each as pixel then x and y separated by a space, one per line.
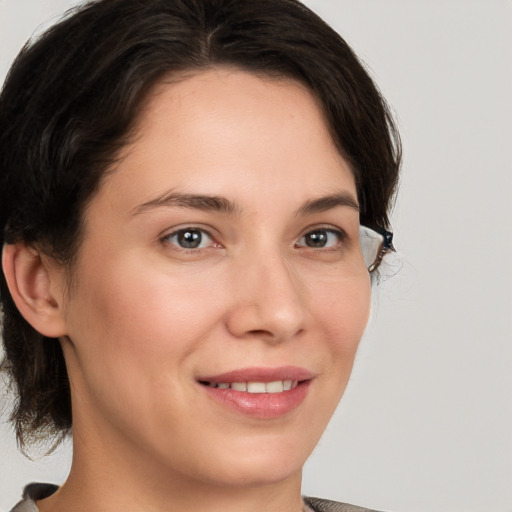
pixel 223 248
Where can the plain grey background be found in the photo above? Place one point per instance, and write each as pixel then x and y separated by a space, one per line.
pixel 426 423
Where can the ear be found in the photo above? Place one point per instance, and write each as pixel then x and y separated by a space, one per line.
pixel 36 288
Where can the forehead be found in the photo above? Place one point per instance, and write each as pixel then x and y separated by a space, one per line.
pixel 229 132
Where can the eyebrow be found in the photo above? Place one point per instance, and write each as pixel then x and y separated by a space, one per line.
pixel 195 201
pixel 325 203
pixel 223 205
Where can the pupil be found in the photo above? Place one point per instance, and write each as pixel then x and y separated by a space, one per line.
pixel 316 239
pixel 189 239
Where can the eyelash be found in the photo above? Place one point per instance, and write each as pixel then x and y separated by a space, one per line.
pixel 193 233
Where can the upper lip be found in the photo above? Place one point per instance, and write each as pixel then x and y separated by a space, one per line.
pixel 260 374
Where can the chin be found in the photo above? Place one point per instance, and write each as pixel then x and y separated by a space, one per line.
pixel 266 464
pixel 259 473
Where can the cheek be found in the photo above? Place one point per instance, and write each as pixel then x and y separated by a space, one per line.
pixel 138 319
pixel 134 332
pixel 343 312
pixel 131 298
pixel 341 315
pixel 345 307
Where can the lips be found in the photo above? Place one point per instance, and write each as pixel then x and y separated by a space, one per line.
pixel 259 392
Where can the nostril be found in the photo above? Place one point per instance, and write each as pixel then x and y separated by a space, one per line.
pixel 260 332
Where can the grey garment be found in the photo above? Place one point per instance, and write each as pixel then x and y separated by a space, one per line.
pixel 34 492
pixel 31 494
pixel 319 505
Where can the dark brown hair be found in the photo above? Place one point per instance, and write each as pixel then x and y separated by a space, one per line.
pixel 73 95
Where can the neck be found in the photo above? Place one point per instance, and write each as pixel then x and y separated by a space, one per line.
pixel 109 478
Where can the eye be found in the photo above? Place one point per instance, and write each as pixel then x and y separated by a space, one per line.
pixel 321 239
pixel 190 238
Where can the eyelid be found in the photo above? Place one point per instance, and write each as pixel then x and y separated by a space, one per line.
pixel 326 227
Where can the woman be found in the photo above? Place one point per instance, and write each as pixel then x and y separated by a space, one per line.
pixel 194 198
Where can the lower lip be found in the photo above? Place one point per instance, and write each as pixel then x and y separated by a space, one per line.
pixel 261 405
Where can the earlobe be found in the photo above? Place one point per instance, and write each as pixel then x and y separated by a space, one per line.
pixel 35 289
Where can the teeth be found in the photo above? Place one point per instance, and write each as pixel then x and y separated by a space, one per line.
pixel 277 386
pixel 256 387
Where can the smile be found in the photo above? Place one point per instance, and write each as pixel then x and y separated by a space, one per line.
pixel 277 386
pixel 261 393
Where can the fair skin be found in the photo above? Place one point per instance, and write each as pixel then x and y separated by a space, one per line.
pixel 268 289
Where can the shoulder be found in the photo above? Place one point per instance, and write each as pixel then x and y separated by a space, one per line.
pixel 31 494
pixel 320 505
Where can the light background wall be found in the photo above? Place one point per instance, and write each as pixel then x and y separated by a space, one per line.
pixel 426 423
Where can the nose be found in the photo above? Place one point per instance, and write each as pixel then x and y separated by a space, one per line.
pixel 268 301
